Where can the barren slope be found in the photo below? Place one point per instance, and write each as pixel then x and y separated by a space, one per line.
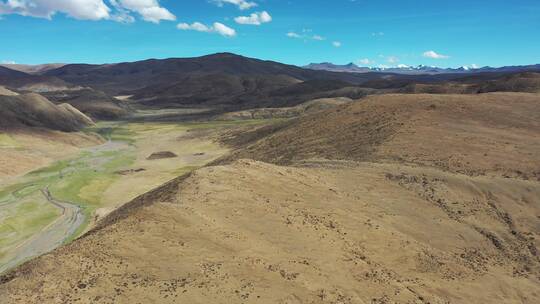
pixel 350 233
pixel 472 134
pixel 373 207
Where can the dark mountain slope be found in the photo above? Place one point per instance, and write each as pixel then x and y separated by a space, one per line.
pixel 522 82
pixel 33 69
pixel 5 72
pixel 35 83
pixel 133 75
pixel 93 103
pixel 195 80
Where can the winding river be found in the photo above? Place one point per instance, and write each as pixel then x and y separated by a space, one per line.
pixel 50 237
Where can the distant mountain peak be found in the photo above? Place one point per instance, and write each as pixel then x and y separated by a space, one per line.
pixel 416 70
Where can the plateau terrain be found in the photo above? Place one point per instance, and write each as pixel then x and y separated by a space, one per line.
pixel 228 179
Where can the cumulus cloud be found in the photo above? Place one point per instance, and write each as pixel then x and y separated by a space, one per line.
pixel 78 9
pixel 254 19
pixel 224 30
pixel 317 37
pixel 434 55
pixel 293 35
pixel 241 4
pixel 217 27
pixel 8 62
pixel 336 44
pixel 195 26
pixel 149 10
pixel 119 10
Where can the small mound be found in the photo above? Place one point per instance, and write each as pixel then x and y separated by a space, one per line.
pixel 161 155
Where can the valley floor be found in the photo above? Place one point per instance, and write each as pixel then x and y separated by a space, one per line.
pixel 92 181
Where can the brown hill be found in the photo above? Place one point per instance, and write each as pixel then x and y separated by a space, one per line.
pixel 94 103
pixel 33 110
pixel 412 129
pixel 522 82
pixel 375 209
pixel 252 232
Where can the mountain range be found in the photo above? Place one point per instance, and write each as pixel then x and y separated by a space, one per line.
pixel 233 82
pixel 417 70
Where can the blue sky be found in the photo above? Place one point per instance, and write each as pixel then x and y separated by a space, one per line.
pixel 367 32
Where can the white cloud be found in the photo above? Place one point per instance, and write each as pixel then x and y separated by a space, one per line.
pixel 119 10
pixel 195 26
pixel 150 10
pixel 8 62
pixel 307 36
pixel 377 34
pixel 254 19
pixel 293 35
pixel 78 9
pixel 434 55
pixel 392 59
pixel 224 30
pixel 365 61
pixel 241 4
pixel 217 27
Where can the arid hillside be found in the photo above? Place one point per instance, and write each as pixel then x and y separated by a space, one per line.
pixel 390 199
pixel 522 82
pixel 470 134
